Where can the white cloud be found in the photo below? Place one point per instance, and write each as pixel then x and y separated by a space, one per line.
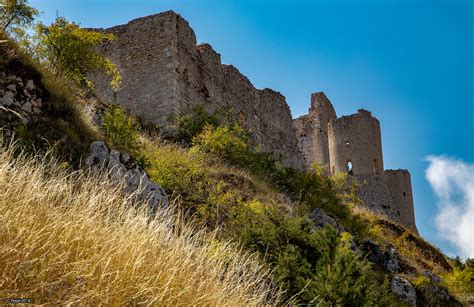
pixel 453 183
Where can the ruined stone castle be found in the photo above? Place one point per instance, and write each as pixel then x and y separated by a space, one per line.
pixel 166 73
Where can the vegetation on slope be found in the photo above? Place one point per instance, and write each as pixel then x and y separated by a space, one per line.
pixel 223 182
pixel 74 238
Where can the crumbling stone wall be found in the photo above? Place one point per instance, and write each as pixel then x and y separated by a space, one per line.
pixel 166 74
pixel 356 139
pixel 399 184
pixel 22 96
pixel 312 131
pixel 145 53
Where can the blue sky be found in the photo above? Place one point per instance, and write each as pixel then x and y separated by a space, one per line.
pixel 409 62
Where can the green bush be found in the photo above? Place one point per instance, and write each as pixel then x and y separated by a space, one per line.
pixel 312 266
pixel 120 129
pixel 180 173
pixel 226 142
pixel 342 278
pixel 311 189
pixel 461 279
pixel 191 124
pixel 121 132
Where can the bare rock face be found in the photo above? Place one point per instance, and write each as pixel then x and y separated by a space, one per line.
pixel 403 289
pixel 122 167
pixel 321 219
pixel 387 259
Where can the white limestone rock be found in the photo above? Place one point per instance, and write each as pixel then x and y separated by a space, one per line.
pixel 136 181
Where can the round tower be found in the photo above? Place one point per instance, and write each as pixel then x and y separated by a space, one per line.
pixel 399 184
pixel 355 145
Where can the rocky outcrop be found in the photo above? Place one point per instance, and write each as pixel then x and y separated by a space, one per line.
pixel 22 95
pixel 386 259
pixel 321 219
pixel 122 167
pixel 404 290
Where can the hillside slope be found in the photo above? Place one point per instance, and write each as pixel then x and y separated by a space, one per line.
pixel 108 253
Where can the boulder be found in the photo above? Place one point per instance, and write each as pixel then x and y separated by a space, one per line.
pixel 387 259
pixel 404 290
pixel 122 167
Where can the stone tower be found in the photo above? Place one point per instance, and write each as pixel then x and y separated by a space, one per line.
pixel 312 131
pixel 355 144
pixel 399 184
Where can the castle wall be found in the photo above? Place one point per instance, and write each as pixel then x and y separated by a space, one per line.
pixel 312 131
pixel 145 54
pixel 399 185
pixel 356 139
pixel 166 74
pixel 375 195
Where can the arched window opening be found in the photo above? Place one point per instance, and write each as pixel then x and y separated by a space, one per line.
pixel 349 168
pixel 404 194
pixel 376 167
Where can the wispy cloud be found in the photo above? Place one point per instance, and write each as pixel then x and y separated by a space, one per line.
pixel 453 183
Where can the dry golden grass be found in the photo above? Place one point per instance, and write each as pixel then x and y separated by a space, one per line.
pixel 74 238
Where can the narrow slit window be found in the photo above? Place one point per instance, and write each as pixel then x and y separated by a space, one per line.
pixel 349 167
pixel 404 194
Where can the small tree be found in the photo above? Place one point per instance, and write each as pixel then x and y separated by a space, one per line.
pixel 69 50
pixel 16 14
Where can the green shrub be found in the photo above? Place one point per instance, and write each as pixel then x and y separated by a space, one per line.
pixel 461 279
pixel 312 266
pixel 191 124
pixel 226 142
pixel 341 277
pixel 180 172
pixel 121 130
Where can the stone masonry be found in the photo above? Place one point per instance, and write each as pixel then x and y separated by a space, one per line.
pixel 165 74
pixel 312 131
pixel 353 144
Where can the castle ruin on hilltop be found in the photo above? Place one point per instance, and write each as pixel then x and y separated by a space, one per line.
pixel 165 73
pixel 353 144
